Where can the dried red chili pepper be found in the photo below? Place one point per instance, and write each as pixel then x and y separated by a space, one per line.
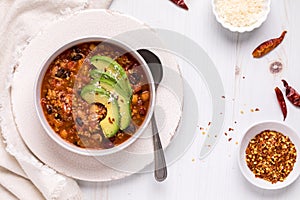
pixel 291 94
pixel 180 3
pixel 281 101
pixel 268 46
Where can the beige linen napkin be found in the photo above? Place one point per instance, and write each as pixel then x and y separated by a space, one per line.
pixel 5 194
pixel 22 175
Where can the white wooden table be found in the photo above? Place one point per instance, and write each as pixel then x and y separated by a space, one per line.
pixel 218 176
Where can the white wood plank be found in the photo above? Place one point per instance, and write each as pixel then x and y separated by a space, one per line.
pixel 218 176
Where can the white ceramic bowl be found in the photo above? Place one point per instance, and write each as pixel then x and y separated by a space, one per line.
pixel 53 135
pixel 251 133
pixel 232 28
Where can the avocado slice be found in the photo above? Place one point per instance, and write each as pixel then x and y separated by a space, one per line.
pixel 106 64
pixel 109 80
pixel 111 123
pixel 108 83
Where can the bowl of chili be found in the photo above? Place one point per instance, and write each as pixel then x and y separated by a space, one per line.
pixel 94 96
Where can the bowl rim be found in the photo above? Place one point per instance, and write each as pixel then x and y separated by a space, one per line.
pixel 232 28
pixel 37 96
pixel 243 165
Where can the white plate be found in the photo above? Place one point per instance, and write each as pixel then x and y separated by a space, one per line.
pixel 256 129
pixel 112 167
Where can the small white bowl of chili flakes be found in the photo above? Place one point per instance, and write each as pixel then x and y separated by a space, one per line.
pixel 268 155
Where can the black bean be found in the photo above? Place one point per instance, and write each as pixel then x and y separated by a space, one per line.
pixel 49 109
pixel 77 50
pixel 134 78
pixel 57 116
pixel 60 72
pixel 77 57
pixel 79 121
pixel 63 73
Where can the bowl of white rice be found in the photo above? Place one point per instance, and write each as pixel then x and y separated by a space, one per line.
pixel 241 15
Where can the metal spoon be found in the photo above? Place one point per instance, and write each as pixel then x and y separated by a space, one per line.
pixel 160 172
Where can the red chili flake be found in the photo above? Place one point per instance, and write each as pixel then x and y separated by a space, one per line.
pixel 71 64
pixel 281 102
pixel 201 128
pixel 268 46
pixel 225 134
pixel 230 129
pixel 257 109
pixel 229 139
pixel 180 3
pixel 209 123
pixel 223 97
pixel 292 95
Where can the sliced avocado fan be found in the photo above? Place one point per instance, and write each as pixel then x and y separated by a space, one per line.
pixel 110 87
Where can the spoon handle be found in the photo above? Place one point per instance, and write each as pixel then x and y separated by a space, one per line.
pixel 160 172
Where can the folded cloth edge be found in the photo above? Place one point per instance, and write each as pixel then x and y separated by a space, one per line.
pixel 23 190
pixel 7 195
pixel 56 193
